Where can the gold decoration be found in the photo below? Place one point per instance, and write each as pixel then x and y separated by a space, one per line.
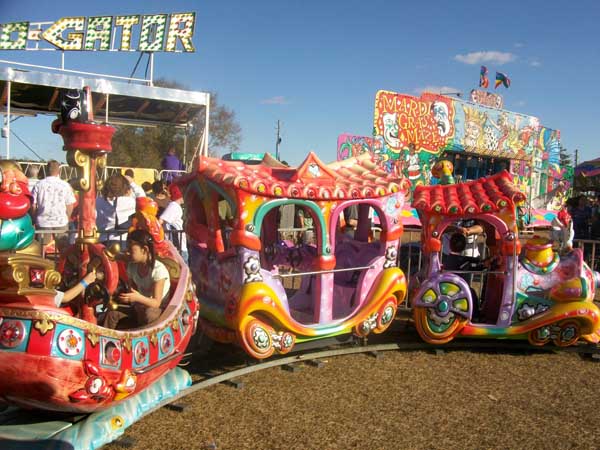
pixel 154 339
pixel 34 249
pixel 93 338
pixel 43 326
pixel 175 325
pixel 81 159
pixel 172 266
pixel 127 344
pixel 15 270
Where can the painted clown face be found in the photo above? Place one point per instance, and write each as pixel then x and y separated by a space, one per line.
pixel 390 130
pixel 440 115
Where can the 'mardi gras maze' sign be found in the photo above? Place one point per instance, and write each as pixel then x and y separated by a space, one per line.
pixel 148 33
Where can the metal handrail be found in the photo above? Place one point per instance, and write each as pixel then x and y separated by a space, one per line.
pixel 319 272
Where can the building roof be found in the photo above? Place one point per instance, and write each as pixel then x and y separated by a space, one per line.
pixel 486 195
pixel 353 178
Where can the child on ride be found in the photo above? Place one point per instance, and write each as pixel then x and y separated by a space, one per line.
pixel 150 278
pixel 65 297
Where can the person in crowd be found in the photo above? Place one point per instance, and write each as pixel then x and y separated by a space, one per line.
pixel 171 162
pixel 136 190
pixel 114 207
pixel 172 218
pixel 350 220
pixel 596 226
pixel 160 194
pixel 581 214
pixel 147 187
pixel 33 172
pixel 304 220
pixel 53 202
pixel 149 280
pixel 470 229
pixel 60 298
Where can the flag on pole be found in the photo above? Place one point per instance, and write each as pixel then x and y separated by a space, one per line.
pixel 484 82
pixel 502 78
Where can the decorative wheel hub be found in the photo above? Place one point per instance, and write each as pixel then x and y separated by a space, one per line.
pixel 543 333
pixel 387 316
pixel 70 343
pixel 12 333
pixel 260 338
pixel 568 333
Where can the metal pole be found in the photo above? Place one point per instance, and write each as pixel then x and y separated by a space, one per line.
pixel 106 110
pixel 9 87
pixel 151 68
pixel 278 141
pixel 62 60
pixel 206 119
pixel 185 135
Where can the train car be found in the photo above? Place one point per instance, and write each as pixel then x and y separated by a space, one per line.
pixel 502 288
pixel 284 255
pixel 61 358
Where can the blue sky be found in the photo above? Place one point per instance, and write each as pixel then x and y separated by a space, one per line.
pixel 316 65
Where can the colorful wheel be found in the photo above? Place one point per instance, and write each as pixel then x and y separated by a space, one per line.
pixel 568 334
pixel 386 315
pixel 286 342
pixel 257 339
pixel 441 311
pixel 432 330
pixel 539 336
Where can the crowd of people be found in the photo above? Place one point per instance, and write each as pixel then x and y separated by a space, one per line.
pixel 585 214
pixel 55 209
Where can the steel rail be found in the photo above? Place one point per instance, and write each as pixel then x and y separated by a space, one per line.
pixel 350 349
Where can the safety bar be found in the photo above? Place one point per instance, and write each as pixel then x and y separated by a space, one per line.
pixel 318 272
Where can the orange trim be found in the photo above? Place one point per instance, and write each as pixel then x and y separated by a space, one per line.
pixel 325 262
pixel 433 245
pixel 245 239
pixel 508 248
pixel 393 234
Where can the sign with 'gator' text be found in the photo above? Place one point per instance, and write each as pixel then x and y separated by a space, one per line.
pixel 144 33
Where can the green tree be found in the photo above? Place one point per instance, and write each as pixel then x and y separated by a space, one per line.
pixel 145 146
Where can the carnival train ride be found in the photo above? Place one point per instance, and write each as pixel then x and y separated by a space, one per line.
pixel 60 358
pixel 348 280
pixel 531 293
pixel 280 257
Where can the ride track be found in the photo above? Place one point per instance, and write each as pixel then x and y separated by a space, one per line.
pixel 400 337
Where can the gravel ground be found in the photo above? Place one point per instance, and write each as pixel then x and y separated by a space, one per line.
pixel 403 400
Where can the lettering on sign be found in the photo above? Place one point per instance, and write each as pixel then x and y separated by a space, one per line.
pixel 144 33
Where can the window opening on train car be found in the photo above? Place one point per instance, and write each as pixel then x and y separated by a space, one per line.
pixel 470 249
pixel 358 246
pixel 225 221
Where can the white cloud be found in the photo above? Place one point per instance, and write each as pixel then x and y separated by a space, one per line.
pixel 486 57
pixel 521 103
pixel 436 89
pixel 535 62
pixel 519 45
pixel 277 100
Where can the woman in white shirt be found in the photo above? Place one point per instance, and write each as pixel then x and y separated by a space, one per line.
pixel 113 208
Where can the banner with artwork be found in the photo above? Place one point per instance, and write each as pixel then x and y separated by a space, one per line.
pixel 436 123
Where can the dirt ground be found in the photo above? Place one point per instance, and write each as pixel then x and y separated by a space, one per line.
pixel 402 400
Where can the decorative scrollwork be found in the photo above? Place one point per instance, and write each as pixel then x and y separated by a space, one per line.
pixel 52 279
pixel 81 159
pixel 43 326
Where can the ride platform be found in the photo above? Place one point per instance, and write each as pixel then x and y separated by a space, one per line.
pixel 27 429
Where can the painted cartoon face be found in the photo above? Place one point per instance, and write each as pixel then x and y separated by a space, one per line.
pixel 440 115
pixel 472 130
pixel 390 130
